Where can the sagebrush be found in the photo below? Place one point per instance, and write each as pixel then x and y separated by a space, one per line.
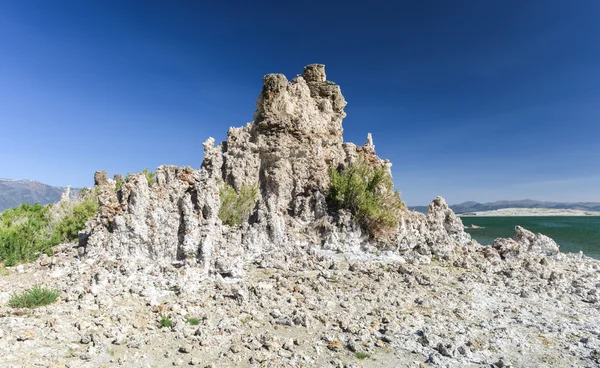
pixel 35 297
pixel 28 231
pixel 368 193
pixel 236 206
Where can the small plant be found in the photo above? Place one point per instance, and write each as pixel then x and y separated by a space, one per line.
pixel 150 176
pixel 33 298
pixel 361 355
pixel 236 207
pixel 165 321
pixel 368 193
pixel 245 320
pixel 119 185
pixel 193 321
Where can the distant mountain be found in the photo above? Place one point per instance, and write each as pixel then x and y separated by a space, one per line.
pixel 471 206
pixel 16 192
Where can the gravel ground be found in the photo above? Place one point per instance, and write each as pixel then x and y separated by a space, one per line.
pixel 309 309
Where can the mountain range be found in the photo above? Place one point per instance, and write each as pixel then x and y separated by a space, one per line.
pixel 16 192
pixel 471 206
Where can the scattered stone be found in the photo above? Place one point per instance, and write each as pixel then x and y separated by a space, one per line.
pixel 185 348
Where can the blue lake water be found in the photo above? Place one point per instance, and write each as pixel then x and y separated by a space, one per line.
pixel 572 233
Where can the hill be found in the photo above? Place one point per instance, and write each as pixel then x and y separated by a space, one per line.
pixel 471 206
pixel 15 192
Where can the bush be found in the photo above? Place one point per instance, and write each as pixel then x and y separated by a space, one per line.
pixel 24 234
pixel 236 207
pixel 71 224
pixel 28 231
pixel 32 298
pixel 368 193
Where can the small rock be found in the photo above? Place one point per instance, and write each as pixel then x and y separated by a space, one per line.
pixel 289 345
pixel 185 348
pixel 86 339
pixel 352 347
pixel 502 363
pixel 120 339
pixel 335 345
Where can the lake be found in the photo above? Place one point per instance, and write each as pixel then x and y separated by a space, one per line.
pixel 572 233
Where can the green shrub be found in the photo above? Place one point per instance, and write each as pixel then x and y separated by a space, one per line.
pixel 150 176
pixel 24 233
pixel 32 298
pixel 165 321
pixel 361 356
pixel 70 225
pixel 119 185
pixel 193 321
pixel 368 193
pixel 236 207
pixel 28 231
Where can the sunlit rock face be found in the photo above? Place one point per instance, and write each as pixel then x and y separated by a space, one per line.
pixel 286 151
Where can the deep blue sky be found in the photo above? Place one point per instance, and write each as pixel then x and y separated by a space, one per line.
pixel 472 100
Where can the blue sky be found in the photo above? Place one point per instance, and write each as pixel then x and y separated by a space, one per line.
pixel 471 100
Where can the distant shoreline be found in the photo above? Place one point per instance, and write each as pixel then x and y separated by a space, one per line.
pixel 519 212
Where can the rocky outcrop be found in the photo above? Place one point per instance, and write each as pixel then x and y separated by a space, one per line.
pixel 287 151
pixel 525 241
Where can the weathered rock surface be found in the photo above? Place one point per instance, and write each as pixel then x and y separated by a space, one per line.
pixel 525 241
pixel 315 308
pixel 296 136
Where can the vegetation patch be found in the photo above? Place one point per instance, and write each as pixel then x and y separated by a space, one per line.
pixel 165 321
pixel 32 298
pixel 361 355
pixel 236 206
pixel 193 321
pixel 28 231
pixel 150 176
pixel 74 221
pixel 368 193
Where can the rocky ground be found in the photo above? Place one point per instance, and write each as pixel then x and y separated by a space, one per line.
pixel 312 308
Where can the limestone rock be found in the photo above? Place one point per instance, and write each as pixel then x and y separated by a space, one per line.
pixel 287 150
pixel 526 241
pixel 100 178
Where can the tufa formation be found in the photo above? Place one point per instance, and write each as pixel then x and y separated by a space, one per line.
pixel 286 152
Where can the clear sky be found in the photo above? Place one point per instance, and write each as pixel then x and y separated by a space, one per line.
pixel 471 100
